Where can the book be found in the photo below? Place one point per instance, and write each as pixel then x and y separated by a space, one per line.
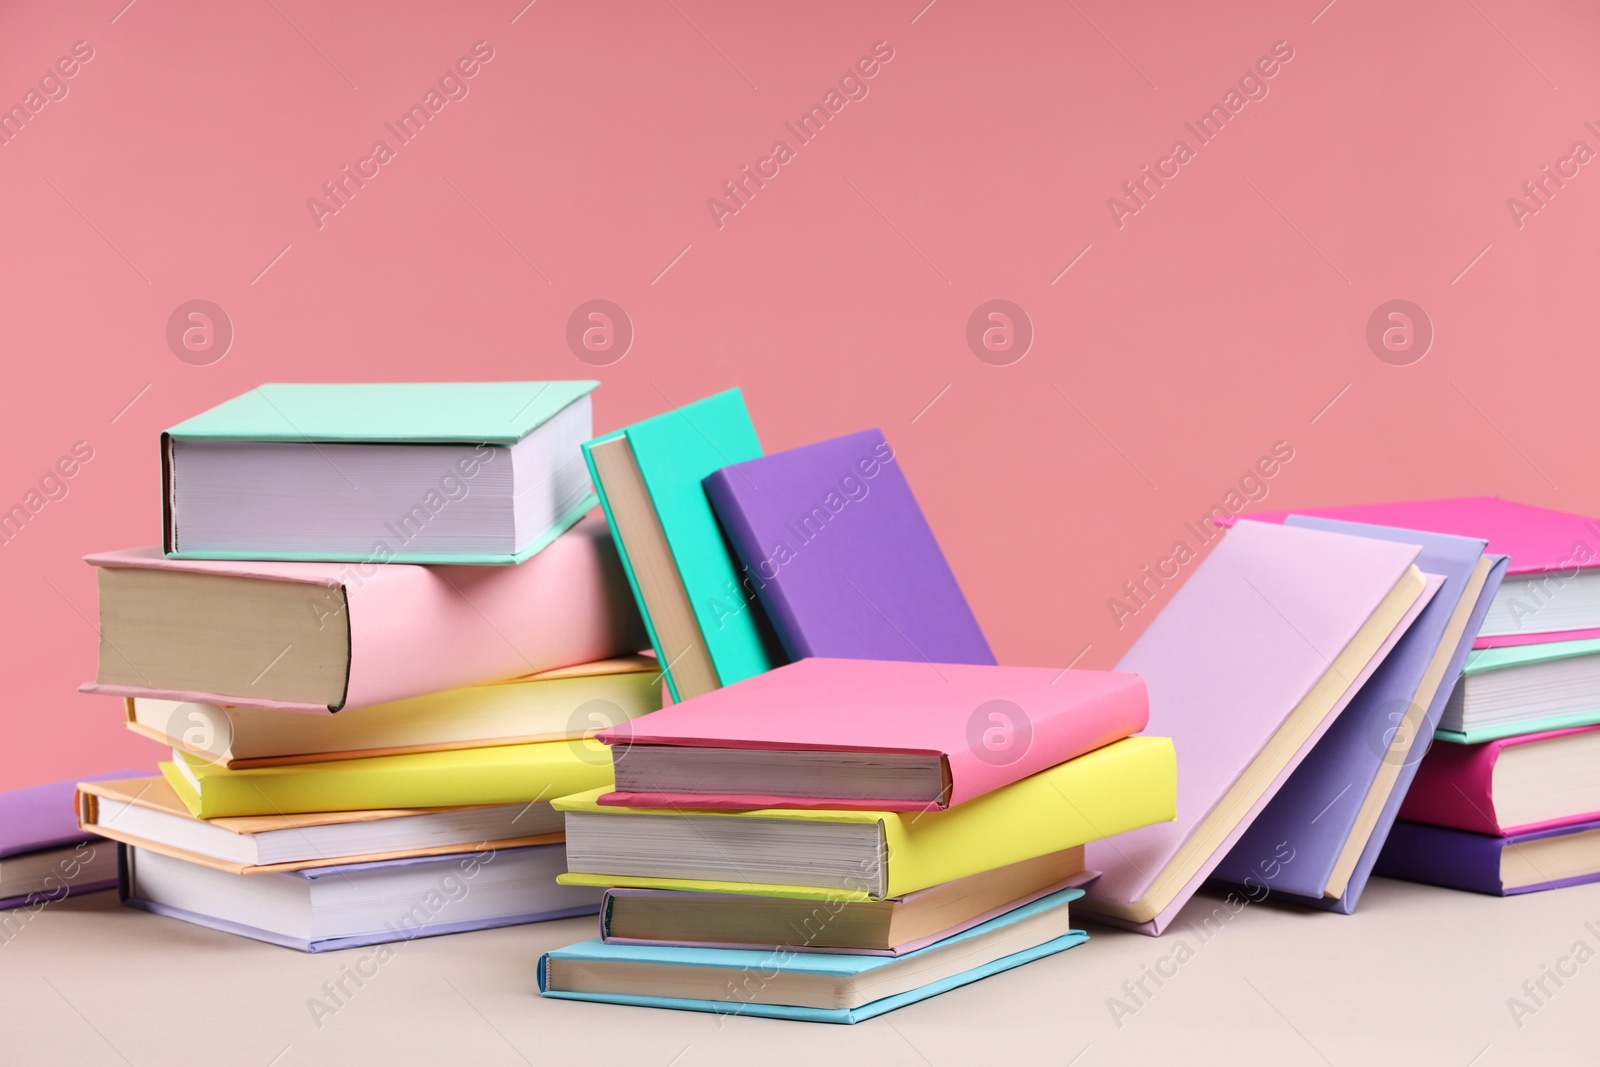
pixel 510 774
pixel 891 927
pixel 685 579
pixel 844 854
pixel 410 472
pixel 1510 786
pixel 1523 689
pixel 1552 583
pixel 836 548
pixel 878 735
pixel 1500 866
pixel 358 904
pixel 146 812
pixel 1247 665
pixel 1336 808
pixel 558 705
pixel 813 987
pixel 319 637
pixel 44 856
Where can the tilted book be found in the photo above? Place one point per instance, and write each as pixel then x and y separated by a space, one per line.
pixel 839 553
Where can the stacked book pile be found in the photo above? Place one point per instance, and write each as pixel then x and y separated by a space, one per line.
pixel 374 641
pixel 836 838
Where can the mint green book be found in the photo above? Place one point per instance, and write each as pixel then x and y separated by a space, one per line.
pixel 706 626
pixel 1523 689
pixel 393 472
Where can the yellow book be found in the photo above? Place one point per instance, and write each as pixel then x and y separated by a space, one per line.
pixel 871 855
pixel 508 774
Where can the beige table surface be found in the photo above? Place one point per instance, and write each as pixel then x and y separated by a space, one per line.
pixel 1419 975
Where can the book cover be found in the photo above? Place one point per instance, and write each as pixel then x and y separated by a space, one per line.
pixel 991 725
pixel 840 555
pixel 675 451
pixel 1457 859
pixel 41 818
pixel 1128 784
pixel 1367 750
pixel 1454 787
pixel 1247 665
pixel 415 630
pixel 509 774
pixel 741 962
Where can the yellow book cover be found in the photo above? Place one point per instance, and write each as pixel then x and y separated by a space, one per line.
pixel 508 774
pixel 1120 787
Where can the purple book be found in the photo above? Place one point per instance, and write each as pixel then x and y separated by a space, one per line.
pixel 1315 813
pixel 40 820
pixel 352 905
pixel 832 541
pixel 1499 866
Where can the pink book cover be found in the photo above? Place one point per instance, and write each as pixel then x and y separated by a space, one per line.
pixel 1079 879
pixel 417 629
pixel 992 725
pixel 1240 644
pixel 1454 787
pixel 1552 636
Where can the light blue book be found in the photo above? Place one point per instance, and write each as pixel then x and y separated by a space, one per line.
pixel 390 472
pixel 807 986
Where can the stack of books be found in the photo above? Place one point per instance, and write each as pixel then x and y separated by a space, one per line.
pixel 1507 798
pixel 836 838
pixel 375 640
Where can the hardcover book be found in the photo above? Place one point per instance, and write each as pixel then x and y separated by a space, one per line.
pixel 1511 786
pixel 1552 583
pixel 878 735
pixel 319 637
pixel 558 705
pixel 840 555
pixel 1524 689
pixel 1247 665
pixel 510 774
pixel 1500 866
pixel 44 855
pixel 813 987
pixel 841 854
pixel 705 630
pixel 146 812
pixel 358 904
pixel 411 472
pixel 1336 808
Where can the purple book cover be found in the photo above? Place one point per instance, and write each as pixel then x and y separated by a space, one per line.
pixel 392 932
pixel 1316 809
pixel 42 817
pixel 1456 859
pixel 832 541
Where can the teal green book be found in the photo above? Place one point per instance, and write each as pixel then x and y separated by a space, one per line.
pixel 1523 689
pixel 704 622
pixel 391 472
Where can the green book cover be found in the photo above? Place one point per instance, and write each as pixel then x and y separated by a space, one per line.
pixel 496 413
pixel 675 451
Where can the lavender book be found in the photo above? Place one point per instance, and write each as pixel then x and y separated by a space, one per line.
pixel 43 854
pixel 833 543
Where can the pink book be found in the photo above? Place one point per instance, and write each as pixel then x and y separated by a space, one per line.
pixel 868 735
pixel 318 637
pixel 1552 587
pixel 1515 785
pixel 1247 666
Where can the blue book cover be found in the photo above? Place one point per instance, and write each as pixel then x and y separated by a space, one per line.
pixel 752 963
pixel 1293 847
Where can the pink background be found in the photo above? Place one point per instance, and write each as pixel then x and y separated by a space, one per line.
pixel 1223 317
